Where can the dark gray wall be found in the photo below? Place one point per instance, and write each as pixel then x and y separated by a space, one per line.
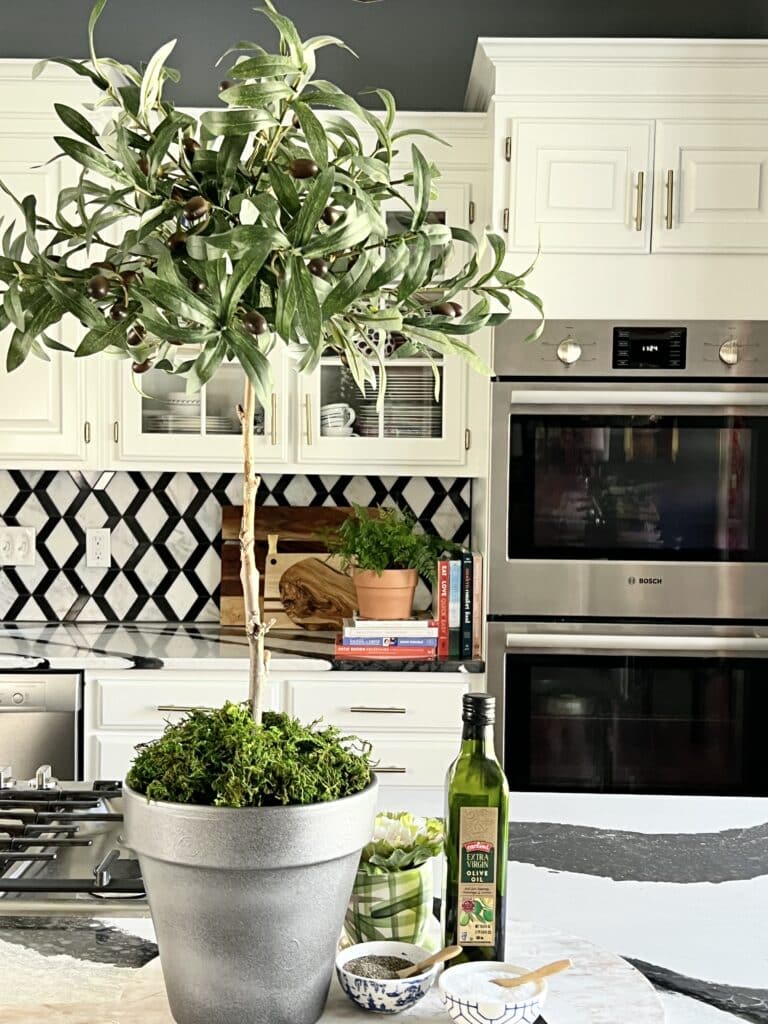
pixel 420 49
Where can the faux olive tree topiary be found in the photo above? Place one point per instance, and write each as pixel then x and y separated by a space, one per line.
pixel 259 225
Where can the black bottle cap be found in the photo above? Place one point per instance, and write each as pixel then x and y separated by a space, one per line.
pixel 479 708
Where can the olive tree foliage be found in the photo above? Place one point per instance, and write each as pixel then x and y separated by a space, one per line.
pixel 260 224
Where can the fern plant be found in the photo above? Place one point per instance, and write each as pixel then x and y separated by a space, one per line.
pixel 386 538
pixel 260 224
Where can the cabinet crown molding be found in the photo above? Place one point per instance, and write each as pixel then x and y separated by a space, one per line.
pixel 677 69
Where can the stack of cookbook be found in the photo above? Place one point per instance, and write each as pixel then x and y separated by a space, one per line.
pixel 398 639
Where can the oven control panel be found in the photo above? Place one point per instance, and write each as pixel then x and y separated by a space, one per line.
pixel 717 350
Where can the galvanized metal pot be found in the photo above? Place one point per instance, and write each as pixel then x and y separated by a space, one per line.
pixel 248 904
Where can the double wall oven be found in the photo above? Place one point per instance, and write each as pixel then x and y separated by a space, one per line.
pixel 628 553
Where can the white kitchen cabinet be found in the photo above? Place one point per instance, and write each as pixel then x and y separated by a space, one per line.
pixel 580 185
pixel 155 421
pixel 46 412
pixel 413 723
pixel 711 186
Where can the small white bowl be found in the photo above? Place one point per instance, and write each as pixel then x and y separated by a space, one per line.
pixel 512 1006
pixel 379 995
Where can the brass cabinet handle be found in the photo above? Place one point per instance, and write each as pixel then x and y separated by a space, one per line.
pixel 639 204
pixel 274 417
pixel 390 769
pixel 308 416
pixel 116 431
pixel 181 707
pixel 670 193
pixel 363 710
pixel 87 432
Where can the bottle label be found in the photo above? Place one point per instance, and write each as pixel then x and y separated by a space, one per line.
pixel 477 876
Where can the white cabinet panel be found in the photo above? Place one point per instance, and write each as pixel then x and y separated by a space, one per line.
pixel 419 762
pixel 403 706
pixel 42 404
pixel 711 186
pixel 110 757
pixel 580 186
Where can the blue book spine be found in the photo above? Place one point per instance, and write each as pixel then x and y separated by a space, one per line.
pixel 390 641
pixel 454 609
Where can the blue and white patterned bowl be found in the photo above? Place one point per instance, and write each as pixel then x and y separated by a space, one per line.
pixel 508 1009
pixel 385 996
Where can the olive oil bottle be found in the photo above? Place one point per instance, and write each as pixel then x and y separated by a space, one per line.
pixel 476 839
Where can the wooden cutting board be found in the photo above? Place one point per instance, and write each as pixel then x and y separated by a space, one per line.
pixel 297 530
pixel 306 590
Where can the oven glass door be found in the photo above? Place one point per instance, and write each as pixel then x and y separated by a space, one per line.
pixel 640 724
pixel 640 487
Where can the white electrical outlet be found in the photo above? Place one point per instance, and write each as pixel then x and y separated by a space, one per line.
pixel 17 545
pixel 97 549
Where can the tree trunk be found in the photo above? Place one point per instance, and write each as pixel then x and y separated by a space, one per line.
pixel 255 629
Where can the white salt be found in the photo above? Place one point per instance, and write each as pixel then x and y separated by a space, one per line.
pixel 479 986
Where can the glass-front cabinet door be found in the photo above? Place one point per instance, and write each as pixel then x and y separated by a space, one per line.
pixel 159 422
pixel 423 417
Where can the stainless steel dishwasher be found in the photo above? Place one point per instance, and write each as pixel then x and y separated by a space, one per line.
pixel 40 723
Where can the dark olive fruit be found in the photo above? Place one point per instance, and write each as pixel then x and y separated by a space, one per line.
pixel 303 168
pixel 255 323
pixel 190 146
pixel 136 334
pixel 177 242
pixel 331 214
pixel 318 267
pixel 143 165
pixel 197 285
pixel 296 122
pixel 119 311
pixel 129 277
pixel 458 308
pixel 194 212
pixel 444 309
pixel 226 84
pixel 141 367
pixel 97 287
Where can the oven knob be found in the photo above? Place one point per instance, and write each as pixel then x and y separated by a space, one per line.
pixel 729 352
pixel 569 351
pixel 18 698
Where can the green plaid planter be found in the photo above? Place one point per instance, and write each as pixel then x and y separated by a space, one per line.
pixel 396 905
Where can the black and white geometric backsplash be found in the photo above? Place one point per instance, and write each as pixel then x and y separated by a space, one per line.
pixel 165 534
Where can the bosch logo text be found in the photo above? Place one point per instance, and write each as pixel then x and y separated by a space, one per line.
pixel 652 581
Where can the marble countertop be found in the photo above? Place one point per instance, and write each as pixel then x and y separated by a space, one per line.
pixel 154 645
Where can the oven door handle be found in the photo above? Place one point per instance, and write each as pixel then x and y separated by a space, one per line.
pixel 619 397
pixel 560 642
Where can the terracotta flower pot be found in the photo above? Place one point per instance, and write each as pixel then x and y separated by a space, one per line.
pixel 389 596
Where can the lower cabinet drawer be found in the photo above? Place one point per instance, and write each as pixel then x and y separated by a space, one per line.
pixel 110 757
pixel 365 704
pixel 422 762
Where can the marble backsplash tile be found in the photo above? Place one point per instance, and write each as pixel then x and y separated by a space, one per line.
pixel 165 540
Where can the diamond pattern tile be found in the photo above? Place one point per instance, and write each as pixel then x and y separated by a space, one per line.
pixel 166 562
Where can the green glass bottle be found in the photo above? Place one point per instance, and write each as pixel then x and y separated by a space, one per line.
pixel 476 839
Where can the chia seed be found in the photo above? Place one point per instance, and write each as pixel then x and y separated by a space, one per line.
pixel 384 968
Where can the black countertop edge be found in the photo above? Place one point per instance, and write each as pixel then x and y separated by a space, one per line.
pixel 395 665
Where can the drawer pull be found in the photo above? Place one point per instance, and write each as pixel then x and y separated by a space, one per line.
pixel 363 710
pixel 182 707
pixel 390 769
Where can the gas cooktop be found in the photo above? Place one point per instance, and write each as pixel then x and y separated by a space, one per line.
pixel 62 850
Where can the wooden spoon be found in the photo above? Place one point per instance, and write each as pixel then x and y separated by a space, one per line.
pixel 541 972
pixel 437 958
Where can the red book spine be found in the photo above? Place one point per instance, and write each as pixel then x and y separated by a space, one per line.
pixel 385 653
pixel 443 573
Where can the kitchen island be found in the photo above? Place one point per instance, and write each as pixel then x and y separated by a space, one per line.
pixel 62 959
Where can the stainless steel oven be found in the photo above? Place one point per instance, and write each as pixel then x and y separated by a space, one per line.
pixel 606 708
pixel 629 475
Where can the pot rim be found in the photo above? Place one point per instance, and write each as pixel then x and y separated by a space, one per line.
pixel 172 805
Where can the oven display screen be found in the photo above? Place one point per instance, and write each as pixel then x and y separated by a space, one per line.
pixel 649 348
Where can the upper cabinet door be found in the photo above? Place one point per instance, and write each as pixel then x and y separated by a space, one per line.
pixel 42 404
pixel 159 422
pixel 581 185
pixel 711 186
